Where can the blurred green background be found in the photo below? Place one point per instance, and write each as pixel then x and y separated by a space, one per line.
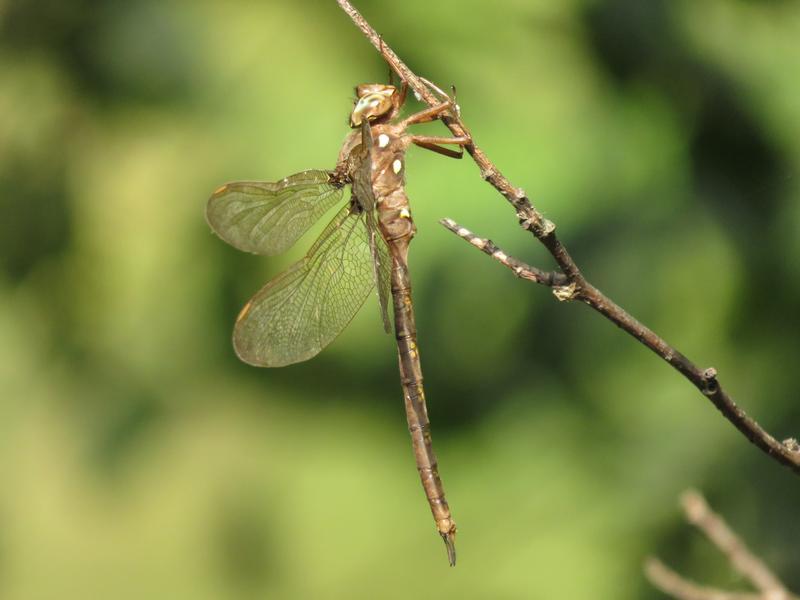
pixel 140 459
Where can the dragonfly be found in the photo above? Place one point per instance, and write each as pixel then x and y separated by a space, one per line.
pixel 364 247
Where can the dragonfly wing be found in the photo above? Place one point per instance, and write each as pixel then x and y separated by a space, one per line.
pixel 304 308
pixel 266 217
pixel 362 171
pixel 365 196
pixel 381 267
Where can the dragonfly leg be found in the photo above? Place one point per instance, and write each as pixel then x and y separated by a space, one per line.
pixel 429 114
pixel 430 142
pixel 401 99
pixel 403 87
pixel 439 91
pixel 388 64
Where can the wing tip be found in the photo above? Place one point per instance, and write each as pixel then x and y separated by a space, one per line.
pixel 249 353
pixel 260 355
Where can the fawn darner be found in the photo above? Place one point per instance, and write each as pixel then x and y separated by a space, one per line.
pixel 303 309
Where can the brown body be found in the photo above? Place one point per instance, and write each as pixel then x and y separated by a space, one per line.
pixel 388 145
pixel 300 311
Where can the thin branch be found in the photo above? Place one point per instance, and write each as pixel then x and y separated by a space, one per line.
pixel 520 269
pixel 673 584
pixel 705 380
pixel 570 284
pixel 699 514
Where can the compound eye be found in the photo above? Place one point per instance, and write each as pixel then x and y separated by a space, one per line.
pixel 370 106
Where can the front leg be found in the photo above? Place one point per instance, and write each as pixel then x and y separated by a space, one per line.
pixel 429 114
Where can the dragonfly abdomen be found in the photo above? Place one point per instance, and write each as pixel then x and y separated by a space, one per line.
pixel 414 395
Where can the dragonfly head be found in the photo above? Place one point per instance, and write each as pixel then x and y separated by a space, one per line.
pixel 375 101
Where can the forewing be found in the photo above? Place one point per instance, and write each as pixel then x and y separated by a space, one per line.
pixel 382 269
pixel 362 172
pixel 365 196
pixel 266 217
pixel 304 308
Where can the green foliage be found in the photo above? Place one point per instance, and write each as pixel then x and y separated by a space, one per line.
pixel 141 460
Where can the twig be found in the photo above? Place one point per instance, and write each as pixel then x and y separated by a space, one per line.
pixel 699 514
pixel 706 380
pixel 570 283
pixel 520 269
pixel 672 584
